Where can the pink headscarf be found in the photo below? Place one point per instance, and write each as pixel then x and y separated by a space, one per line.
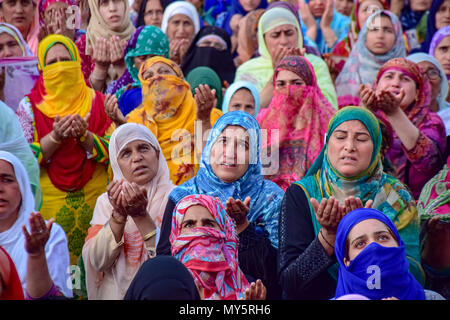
pixel 210 255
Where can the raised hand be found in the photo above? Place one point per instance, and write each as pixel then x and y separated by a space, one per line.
pixel 256 291
pixel 388 102
pixel 117 50
pixel 134 199
pixel 205 98
pixel 238 211
pixel 39 234
pixel 368 97
pixel 113 111
pixel 62 128
pixel 328 213
pixel 100 54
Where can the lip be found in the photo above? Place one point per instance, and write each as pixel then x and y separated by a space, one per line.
pixel 348 159
pixel 228 165
pixel 114 18
pixel 3 201
pixel 140 169
pixel 19 19
pixel 379 45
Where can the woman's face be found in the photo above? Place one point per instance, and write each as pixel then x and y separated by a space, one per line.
pixel 317 7
pixel 286 78
pixel 138 161
pixel 365 233
pixel 393 81
pixel 113 13
pixel 212 42
pixel 242 100
pixel 380 36
pixel 19 13
pixel 443 15
pixel 158 68
pixel 197 216
pixel 249 5
pixel 139 60
pixel 350 148
pixel 344 7
pixel 10 196
pixel 57 53
pixel 431 72
pixel 442 54
pixel 180 27
pixel 230 154
pixel 9 47
pixel 153 13
pixel 420 5
pixel 366 9
pixel 285 36
pixel 51 9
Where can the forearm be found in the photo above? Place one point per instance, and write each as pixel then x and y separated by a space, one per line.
pixel 98 78
pixel 407 132
pixel 145 226
pixel 311 32
pixel 329 36
pixel 39 281
pixel 49 145
pixel 104 248
pixel 266 94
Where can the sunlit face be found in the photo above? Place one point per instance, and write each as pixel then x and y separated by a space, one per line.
pixel 10 196
pixel 180 27
pixel 317 7
pixel 138 161
pixel 57 53
pixel 443 15
pixel 286 78
pixel 9 47
pixel 431 72
pixel 365 233
pixel 442 54
pixel 242 100
pixel 344 7
pixel 350 148
pixel 366 9
pixel 158 68
pixel 420 5
pixel 197 216
pixel 249 5
pixel 380 36
pixel 393 81
pixel 19 13
pixel 153 13
pixel 113 13
pixel 230 154
pixel 285 36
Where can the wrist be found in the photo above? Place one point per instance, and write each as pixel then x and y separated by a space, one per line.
pixel 241 227
pixel 83 137
pixel 118 218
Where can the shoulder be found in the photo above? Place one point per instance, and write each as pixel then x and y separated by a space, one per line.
pixel 432 295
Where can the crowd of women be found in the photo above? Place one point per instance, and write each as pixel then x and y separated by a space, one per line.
pixel 224 149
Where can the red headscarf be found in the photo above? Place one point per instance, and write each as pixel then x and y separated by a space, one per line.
pixel 9 279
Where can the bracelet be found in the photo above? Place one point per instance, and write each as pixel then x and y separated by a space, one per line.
pixel 151 251
pixel 149 235
pixel 83 137
pixel 53 139
pixel 115 220
pixel 325 239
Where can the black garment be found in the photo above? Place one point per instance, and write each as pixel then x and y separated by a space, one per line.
pixel 220 61
pixel 257 257
pixel 162 278
pixel 303 262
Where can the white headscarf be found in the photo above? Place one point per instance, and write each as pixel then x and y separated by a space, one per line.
pixel 13 239
pixel 181 7
pixel 17 35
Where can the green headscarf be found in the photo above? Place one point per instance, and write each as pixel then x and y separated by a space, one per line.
pixel 205 75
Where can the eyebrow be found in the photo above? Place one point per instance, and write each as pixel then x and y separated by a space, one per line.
pixel 376 233
pixel 7 175
pixel 344 131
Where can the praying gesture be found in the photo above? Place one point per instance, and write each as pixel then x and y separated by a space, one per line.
pixel 39 234
pixel 113 111
pixel 238 211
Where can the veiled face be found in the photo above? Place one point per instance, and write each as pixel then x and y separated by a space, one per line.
pixel 158 68
pixel 197 216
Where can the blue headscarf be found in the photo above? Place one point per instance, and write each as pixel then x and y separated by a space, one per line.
pixel 265 195
pixel 389 263
pixel 235 87
pixel 223 20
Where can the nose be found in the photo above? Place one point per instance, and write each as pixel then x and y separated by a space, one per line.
pixel 284 41
pixel 349 145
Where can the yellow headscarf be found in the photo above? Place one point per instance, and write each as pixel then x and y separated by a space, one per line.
pixel 63 89
pixel 168 109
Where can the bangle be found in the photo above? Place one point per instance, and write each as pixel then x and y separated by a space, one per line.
pixel 53 139
pixel 151 251
pixel 83 137
pixel 325 239
pixel 117 221
pixel 149 235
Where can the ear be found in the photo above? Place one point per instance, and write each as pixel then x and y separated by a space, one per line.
pixel 346 262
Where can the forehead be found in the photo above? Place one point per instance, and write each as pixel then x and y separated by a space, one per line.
pixel 197 212
pixel 58 49
pixel 180 17
pixel 366 227
pixel 351 126
pixel 287 75
pixel 381 21
pixel 426 65
pixel 6 37
pixel 284 27
pixel 234 131
pixel 242 93
pixel 6 167
pixel 444 42
pixel 369 3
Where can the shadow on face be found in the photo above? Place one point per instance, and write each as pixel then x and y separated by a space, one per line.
pixel 197 216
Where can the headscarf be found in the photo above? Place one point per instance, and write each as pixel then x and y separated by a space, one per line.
pixel 61 91
pixel 205 75
pixel 158 190
pixel 17 35
pixel 231 90
pixel 220 61
pixel 265 195
pixel 235 8
pixel 248 36
pixel 9 278
pixel 13 141
pixel 260 70
pixel 168 106
pixel 145 40
pixel 210 255
pixel 300 115
pixel 377 272
pixel 181 7
pixel 13 239
pixel 44 4
pixel 97 27
pixel 437 38
pixel 441 98
pixel 409 18
pixel 431 24
pixel 389 195
pixel 141 14
pixel 362 65
pixel 434 199
pixel 162 278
